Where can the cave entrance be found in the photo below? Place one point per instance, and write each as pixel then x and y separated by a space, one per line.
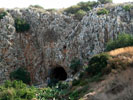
pixel 58 73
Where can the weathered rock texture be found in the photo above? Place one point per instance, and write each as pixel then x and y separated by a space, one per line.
pixel 55 39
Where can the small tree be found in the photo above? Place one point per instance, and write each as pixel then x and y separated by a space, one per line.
pixel 21 25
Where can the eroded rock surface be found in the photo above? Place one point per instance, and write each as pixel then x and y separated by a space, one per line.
pixel 55 39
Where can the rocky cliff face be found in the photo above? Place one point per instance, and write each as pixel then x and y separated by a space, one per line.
pixel 55 39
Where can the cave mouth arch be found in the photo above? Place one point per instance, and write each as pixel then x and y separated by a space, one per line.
pixel 58 73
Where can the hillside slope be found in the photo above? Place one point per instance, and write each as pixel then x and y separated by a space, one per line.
pixel 118 85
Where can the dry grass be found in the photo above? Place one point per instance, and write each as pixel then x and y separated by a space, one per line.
pixel 2 9
pixel 118 85
pixel 121 51
pixel 115 87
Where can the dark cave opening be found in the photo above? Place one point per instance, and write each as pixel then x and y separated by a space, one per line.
pixel 58 73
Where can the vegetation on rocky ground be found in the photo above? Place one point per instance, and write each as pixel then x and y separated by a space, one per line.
pixel 105 1
pixel 123 40
pixel 2 13
pixel 127 7
pixel 102 11
pixel 16 90
pixel 21 25
pixel 81 9
pixel 97 64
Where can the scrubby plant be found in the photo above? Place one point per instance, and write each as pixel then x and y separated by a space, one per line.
pixel 105 1
pixel 74 95
pixel 21 25
pixel 21 74
pixel 97 63
pixel 56 92
pixel 123 40
pixel 62 85
pixel 79 15
pixel 72 9
pixel 47 94
pixel 79 10
pixel 86 6
pixel 37 6
pixel 75 64
pixel 127 7
pixel 2 14
pixel 102 11
pixel 16 90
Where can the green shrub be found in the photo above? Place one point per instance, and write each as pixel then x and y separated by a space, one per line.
pixel 87 6
pixel 97 64
pixel 123 40
pixel 47 94
pixel 105 1
pixel 75 64
pixel 79 15
pixel 102 11
pixel 16 90
pixel 37 6
pixel 84 6
pixel 127 7
pixel 21 25
pixel 21 74
pixel 56 92
pixel 72 9
pixel 62 85
pixel 2 14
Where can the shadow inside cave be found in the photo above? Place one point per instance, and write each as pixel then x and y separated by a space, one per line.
pixel 58 73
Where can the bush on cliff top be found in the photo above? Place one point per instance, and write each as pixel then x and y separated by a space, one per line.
pixel 105 1
pixel 123 40
pixel 36 6
pixel 127 7
pixel 102 11
pixel 21 25
pixel 79 15
pixel 80 8
pixel 2 13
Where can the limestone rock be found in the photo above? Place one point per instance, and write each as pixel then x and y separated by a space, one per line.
pixel 55 39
